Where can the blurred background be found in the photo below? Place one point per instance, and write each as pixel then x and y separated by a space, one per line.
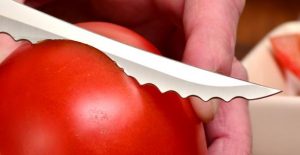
pixel 260 17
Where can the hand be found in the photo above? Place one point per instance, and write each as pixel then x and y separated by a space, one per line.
pixel 205 31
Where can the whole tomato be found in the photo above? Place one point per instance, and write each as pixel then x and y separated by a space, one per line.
pixel 61 97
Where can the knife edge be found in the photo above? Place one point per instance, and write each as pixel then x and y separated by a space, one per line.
pixel 166 79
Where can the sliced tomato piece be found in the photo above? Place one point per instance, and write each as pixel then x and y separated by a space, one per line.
pixel 286 50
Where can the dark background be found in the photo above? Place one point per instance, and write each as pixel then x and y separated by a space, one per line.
pixel 259 18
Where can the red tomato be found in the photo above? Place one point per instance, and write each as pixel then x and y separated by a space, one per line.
pixel 62 97
pixel 121 34
pixel 287 52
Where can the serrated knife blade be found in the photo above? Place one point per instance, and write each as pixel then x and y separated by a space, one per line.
pixel 166 74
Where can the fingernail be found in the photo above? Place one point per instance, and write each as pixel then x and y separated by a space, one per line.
pixel 205 110
pixel 215 105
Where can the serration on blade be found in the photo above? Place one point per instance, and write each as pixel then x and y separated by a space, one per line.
pixel 145 67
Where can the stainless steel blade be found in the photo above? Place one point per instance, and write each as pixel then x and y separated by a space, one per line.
pixel 21 21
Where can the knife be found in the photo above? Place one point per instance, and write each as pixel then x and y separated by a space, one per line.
pixel 166 74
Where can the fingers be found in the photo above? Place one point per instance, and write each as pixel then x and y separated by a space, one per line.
pixel 20 1
pixel 205 110
pixel 229 133
pixel 210 28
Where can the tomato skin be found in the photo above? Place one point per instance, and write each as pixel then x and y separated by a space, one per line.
pixel 121 34
pixel 63 97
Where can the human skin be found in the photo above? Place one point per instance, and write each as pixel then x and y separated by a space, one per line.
pixel 205 32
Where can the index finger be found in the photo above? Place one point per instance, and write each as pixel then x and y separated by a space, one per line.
pixel 210 28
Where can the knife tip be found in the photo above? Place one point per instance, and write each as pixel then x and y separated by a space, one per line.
pixel 271 92
pixel 274 91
